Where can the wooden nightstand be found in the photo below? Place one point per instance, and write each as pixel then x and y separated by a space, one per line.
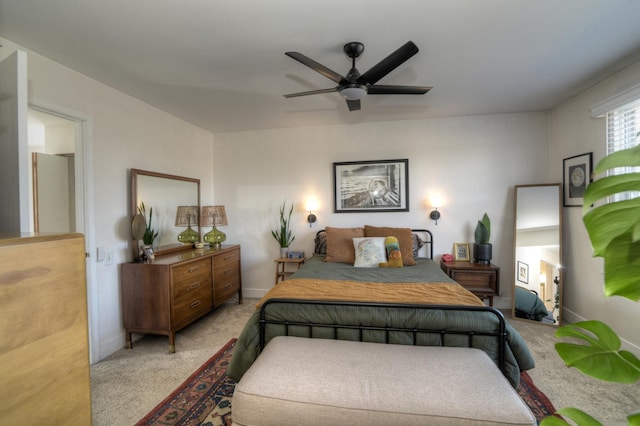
pixel 281 263
pixel 482 280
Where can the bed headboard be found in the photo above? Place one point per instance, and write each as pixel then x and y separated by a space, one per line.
pixel 423 242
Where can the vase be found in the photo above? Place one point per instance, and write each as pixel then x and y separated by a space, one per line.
pixel 284 251
pixel 482 253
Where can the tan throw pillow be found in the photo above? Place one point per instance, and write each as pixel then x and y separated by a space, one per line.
pixel 340 244
pixel 402 234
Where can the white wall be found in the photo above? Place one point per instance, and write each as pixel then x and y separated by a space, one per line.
pixel 471 163
pixel 121 133
pixel 573 132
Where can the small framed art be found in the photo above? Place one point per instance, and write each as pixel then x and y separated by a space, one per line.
pixel 461 251
pixel 576 177
pixel 523 272
pixel 371 186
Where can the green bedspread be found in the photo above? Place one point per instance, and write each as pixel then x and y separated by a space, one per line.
pixel 517 356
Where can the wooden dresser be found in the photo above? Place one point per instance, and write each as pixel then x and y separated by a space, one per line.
pixel 480 279
pixel 44 346
pixel 176 289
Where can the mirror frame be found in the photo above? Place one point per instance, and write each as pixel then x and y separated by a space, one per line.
pixel 515 260
pixel 134 173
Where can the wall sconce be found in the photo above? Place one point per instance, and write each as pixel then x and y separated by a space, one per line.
pixel 310 207
pixel 435 215
pixel 311 218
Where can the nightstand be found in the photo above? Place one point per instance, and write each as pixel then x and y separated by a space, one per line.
pixel 480 279
pixel 281 264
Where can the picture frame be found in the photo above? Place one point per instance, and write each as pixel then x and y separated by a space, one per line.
pixel 576 177
pixel 371 186
pixel 523 272
pixel 461 252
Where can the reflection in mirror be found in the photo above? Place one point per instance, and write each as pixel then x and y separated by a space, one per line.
pixel 538 253
pixel 164 193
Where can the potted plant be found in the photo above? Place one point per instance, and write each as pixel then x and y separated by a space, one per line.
pixel 482 247
pixel 150 234
pixel 283 235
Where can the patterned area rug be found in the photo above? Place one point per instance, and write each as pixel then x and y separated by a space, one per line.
pixel 204 399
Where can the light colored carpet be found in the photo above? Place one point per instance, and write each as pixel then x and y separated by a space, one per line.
pixel 128 384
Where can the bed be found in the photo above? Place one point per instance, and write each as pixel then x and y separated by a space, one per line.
pixel 528 305
pixel 416 305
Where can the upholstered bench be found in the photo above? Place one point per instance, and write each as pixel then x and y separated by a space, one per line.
pixel 299 381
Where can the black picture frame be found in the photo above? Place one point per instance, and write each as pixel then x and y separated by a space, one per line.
pixel 523 272
pixel 576 177
pixel 371 186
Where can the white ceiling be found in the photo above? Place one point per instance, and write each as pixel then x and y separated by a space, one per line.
pixel 220 64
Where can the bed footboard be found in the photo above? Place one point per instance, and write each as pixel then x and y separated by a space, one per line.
pixel 273 319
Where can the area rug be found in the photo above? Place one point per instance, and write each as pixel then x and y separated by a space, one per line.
pixel 204 399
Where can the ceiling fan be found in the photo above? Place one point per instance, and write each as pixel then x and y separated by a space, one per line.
pixel 356 86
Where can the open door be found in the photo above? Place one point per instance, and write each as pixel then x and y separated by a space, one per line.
pixel 53 192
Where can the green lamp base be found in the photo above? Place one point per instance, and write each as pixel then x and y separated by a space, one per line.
pixel 215 237
pixel 188 236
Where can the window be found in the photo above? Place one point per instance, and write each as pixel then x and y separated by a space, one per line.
pixel 623 132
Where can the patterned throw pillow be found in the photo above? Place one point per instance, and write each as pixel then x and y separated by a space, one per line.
pixel 402 234
pixel 320 243
pixel 370 252
pixel 418 243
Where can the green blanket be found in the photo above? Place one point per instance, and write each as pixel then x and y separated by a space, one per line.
pixel 518 357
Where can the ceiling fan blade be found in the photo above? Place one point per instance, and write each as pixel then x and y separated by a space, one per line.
pixel 353 105
pixel 381 89
pixel 311 92
pixel 329 73
pixel 388 64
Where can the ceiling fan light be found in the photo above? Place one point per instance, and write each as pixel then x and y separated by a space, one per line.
pixel 354 93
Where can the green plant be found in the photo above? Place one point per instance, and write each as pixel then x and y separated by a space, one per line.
pixel 284 236
pixel 483 230
pixel 150 234
pixel 614 231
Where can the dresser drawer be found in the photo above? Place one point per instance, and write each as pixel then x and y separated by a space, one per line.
pixel 225 259
pixel 188 272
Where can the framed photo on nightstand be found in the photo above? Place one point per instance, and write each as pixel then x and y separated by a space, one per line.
pixel 461 251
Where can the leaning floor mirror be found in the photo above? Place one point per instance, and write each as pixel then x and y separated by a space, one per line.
pixel 538 253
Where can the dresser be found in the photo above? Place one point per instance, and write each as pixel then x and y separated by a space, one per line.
pixel 480 279
pixel 176 289
pixel 44 346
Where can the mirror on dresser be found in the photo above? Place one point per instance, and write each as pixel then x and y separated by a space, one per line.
pixel 163 193
pixel 538 253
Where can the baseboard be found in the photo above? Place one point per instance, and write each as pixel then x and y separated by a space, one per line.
pixel 110 346
pixel 568 316
pixel 254 293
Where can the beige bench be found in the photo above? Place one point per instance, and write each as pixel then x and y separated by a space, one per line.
pixel 299 381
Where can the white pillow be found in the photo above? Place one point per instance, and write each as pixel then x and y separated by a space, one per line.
pixel 370 251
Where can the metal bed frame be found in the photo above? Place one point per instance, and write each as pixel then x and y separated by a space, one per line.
pixel 500 334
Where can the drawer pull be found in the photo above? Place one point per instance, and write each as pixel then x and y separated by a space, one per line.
pixel 228 271
pixel 228 257
pixel 228 286
pixel 196 303
pixel 194 286
pixel 193 269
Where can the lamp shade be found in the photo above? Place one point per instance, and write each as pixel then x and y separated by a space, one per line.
pixel 214 215
pixel 187 216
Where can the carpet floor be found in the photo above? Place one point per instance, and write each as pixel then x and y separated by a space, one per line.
pixel 205 398
pixel 127 385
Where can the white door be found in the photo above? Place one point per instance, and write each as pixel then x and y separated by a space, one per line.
pixel 53 193
pixel 14 160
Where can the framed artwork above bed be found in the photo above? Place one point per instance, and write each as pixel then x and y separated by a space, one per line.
pixel 371 186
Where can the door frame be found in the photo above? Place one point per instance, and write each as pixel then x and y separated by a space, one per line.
pixel 84 213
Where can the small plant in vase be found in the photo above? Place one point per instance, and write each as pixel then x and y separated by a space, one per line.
pixel 150 234
pixel 283 235
pixel 482 248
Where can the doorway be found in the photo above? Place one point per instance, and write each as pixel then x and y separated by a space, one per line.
pixel 57 160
